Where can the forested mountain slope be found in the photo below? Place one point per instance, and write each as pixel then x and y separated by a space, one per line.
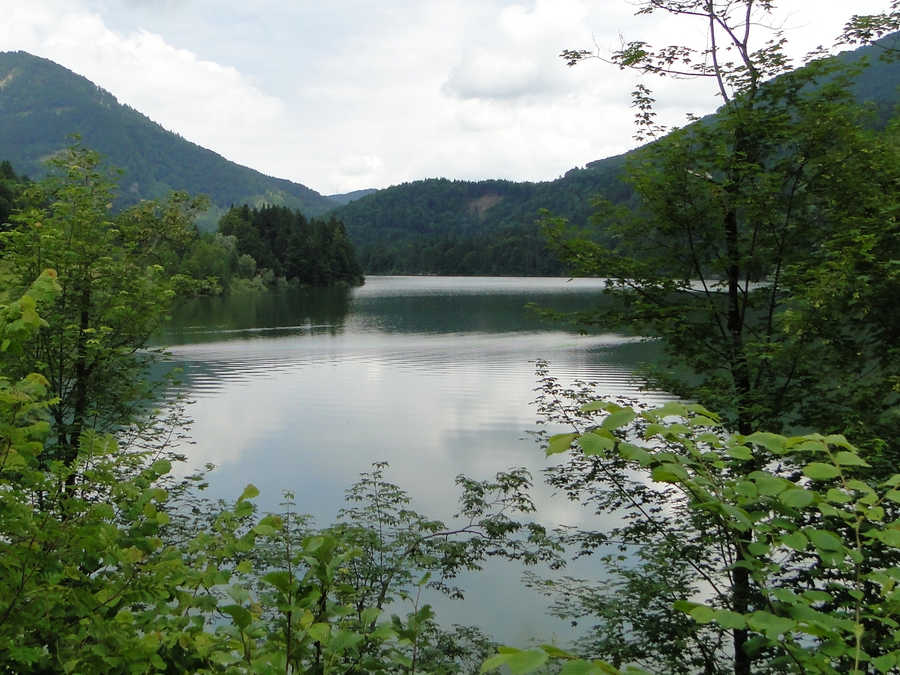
pixel 42 103
pixel 489 227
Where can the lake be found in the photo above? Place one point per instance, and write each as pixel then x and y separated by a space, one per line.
pixel 303 390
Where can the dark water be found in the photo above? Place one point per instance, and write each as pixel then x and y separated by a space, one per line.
pixel 303 390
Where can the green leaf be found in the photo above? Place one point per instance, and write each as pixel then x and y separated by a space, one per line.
pixel 845 458
pixel 795 540
pixel 241 616
pixel 280 579
pixel 889 537
pixel 668 409
pixel 820 471
pixel 594 444
pixel 369 615
pixel 635 453
pixel 769 624
pixel 685 606
pixel 885 662
pixel 495 662
pixel 824 540
pixel 669 473
pixel 319 632
pixel 555 652
pixel 758 548
pixel 797 498
pixel 161 466
pixel 774 443
pixel 875 513
pixel 741 519
pixel 249 492
pixel 344 640
pixel 769 485
pixel 741 452
pixel 618 419
pixel 703 614
pixel 837 496
pixel 731 620
pixel 560 443
pixel 526 661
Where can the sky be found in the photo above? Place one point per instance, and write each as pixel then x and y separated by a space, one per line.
pixel 348 94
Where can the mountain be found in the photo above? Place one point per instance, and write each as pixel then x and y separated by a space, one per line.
pixel 440 226
pixel 347 197
pixel 43 103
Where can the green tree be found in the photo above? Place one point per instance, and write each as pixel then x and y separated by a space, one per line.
pixel 735 208
pixel 11 186
pixel 114 292
pixel 825 517
pixel 744 219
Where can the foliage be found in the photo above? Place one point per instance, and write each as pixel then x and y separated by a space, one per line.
pixel 114 293
pixel 11 187
pixel 310 252
pixel 740 218
pixel 132 571
pixel 740 257
pixel 816 536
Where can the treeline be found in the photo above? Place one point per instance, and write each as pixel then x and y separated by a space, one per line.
pixel 255 249
pixel 512 251
pixel 312 252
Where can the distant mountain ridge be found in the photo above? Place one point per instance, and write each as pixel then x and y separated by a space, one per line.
pixel 347 197
pixel 42 103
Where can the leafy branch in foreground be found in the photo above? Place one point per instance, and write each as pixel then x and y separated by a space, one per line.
pixel 815 532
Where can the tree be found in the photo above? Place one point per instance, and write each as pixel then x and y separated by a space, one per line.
pixel 11 186
pixel 825 517
pixel 744 219
pixel 114 292
pixel 728 205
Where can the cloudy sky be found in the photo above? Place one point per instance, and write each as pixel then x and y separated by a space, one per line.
pixel 347 94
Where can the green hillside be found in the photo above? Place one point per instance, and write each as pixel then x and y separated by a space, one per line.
pixel 441 226
pixel 42 103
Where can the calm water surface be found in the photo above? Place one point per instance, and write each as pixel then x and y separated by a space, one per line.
pixel 303 390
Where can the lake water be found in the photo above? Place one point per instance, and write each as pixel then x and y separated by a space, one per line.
pixel 304 390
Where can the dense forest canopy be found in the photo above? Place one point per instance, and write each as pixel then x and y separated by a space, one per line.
pixel 312 252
